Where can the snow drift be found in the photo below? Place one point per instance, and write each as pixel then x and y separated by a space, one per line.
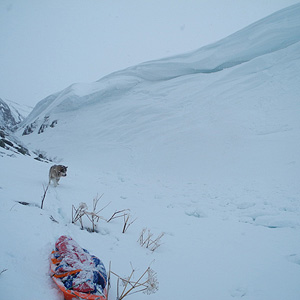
pixel 269 35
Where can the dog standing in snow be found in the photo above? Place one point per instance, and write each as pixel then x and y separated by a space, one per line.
pixel 56 172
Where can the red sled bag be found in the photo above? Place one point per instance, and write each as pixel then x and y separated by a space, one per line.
pixel 76 272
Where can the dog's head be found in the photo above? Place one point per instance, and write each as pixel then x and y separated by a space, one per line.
pixel 62 170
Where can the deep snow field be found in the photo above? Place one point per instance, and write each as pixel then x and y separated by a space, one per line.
pixel 203 147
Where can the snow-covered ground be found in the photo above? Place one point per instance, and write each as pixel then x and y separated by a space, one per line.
pixel 203 147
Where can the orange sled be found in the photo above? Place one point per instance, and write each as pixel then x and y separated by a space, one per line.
pixel 57 259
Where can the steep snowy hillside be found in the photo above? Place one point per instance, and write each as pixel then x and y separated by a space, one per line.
pixel 229 104
pixel 11 114
pixel 203 147
pixel 20 112
pixel 10 117
pixel 272 34
pixel 7 119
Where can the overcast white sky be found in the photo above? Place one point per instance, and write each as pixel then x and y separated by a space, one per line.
pixel 46 45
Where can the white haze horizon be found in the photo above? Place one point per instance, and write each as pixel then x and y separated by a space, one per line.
pixel 51 45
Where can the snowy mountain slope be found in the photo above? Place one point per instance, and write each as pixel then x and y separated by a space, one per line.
pixel 271 34
pixel 210 113
pixel 209 158
pixel 20 112
pixel 11 114
pixel 7 120
pixel 10 117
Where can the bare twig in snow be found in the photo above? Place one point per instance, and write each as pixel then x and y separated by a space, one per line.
pixel 108 279
pixel 93 216
pixel 146 283
pixel 44 196
pixel 147 241
pixel 117 214
pixel 127 223
pixel 78 213
pixel 4 270
pixel 52 219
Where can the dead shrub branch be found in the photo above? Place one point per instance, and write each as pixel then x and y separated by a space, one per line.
pixel 118 214
pixel 44 196
pixel 127 223
pixel 94 217
pixel 4 270
pixel 147 241
pixel 146 283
